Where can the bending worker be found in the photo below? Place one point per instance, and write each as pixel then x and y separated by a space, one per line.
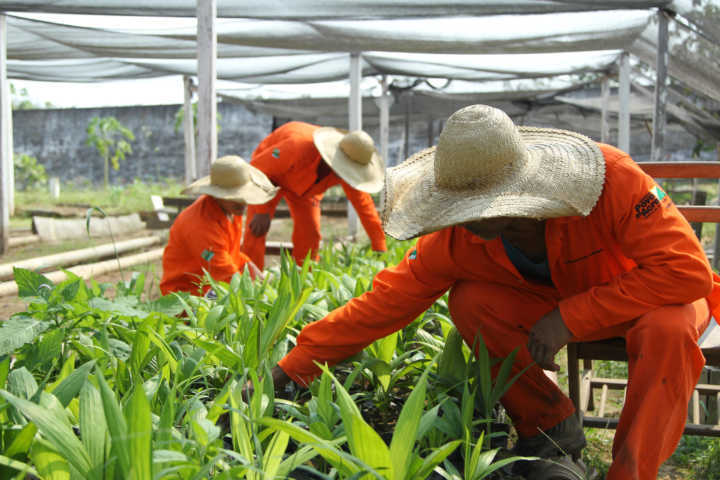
pixel 305 160
pixel 542 237
pixel 206 236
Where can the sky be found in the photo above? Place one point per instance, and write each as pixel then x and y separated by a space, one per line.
pixel 155 91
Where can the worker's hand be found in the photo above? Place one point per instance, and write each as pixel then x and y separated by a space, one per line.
pixel 546 338
pixel 255 272
pixel 260 224
pixel 279 377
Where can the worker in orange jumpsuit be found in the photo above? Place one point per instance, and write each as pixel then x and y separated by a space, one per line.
pixel 542 237
pixel 305 160
pixel 206 236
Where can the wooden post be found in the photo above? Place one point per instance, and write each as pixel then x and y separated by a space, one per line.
pixel 657 152
pixel 604 123
pixel 207 98
pixel 624 109
pixel 189 130
pixel 5 149
pixel 354 123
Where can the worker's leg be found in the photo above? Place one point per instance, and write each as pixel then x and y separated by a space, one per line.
pixel 252 246
pixel 664 365
pixel 503 315
pixel 305 212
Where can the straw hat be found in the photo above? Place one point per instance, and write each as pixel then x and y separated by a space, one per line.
pixel 483 167
pixel 232 178
pixel 352 156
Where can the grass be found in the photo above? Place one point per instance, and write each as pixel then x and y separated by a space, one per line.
pixel 114 200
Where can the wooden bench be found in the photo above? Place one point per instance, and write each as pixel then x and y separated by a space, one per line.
pixel 582 385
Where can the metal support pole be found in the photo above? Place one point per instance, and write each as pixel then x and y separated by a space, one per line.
pixel 384 101
pixel 657 152
pixel 624 98
pixel 189 130
pixel 354 123
pixel 604 123
pixel 207 98
pixel 5 147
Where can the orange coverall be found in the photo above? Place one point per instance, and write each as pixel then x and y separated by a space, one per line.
pixel 290 160
pixel 202 237
pixel 632 268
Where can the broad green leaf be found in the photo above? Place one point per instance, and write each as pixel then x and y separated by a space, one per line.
pixel 435 458
pixel 124 306
pixel 4 370
pixel 139 424
pixel 364 442
pixel 21 383
pixel 116 424
pixel 93 427
pixel 71 385
pixel 273 455
pixel 140 348
pixel 168 304
pixel 59 435
pixel 17 465
pixel 31 284
pixel 19 330
pixel 326 449
pixel 22 441
pixel 406 429
pixel 49 462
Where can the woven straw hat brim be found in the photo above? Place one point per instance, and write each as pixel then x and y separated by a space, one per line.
pixel 369 178
pixel 257 191
pixel 564 176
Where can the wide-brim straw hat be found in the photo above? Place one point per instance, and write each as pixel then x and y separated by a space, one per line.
pixel 485 167
pixel 232 178
pixel 353 156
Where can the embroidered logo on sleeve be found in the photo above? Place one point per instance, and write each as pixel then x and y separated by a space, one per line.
pixel 412 255
pixel 207 255
pixel 650 202
pixel 276 153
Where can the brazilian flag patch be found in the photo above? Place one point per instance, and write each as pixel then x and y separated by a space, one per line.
pixel 276 153
pixel 207 255
pixel 658 192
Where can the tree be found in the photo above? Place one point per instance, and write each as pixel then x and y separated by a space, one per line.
pixel 21 99
pixel 112 141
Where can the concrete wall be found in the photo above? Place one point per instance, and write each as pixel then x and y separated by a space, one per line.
pixel 56 137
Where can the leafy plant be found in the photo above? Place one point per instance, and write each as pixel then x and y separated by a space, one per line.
pixel 28 172
pixel 112 141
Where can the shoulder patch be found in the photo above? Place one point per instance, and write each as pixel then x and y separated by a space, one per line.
pixel 413 255
pixel 276 153
pixel 650 202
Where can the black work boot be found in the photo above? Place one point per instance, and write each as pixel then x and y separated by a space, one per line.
pixel 560 449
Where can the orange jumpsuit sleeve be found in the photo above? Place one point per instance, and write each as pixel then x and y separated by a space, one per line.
pixel 367 213
pixel 398 296
pixel 224 263
pixel 671 266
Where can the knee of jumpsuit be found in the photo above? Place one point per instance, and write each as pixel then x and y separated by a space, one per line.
pixel 504 315
pixel 664 364
pixel 668 335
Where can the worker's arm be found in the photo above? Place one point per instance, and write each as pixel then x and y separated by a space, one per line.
pixel 217 259
pixel 671 265
pixel 367 213
pixel 398 296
